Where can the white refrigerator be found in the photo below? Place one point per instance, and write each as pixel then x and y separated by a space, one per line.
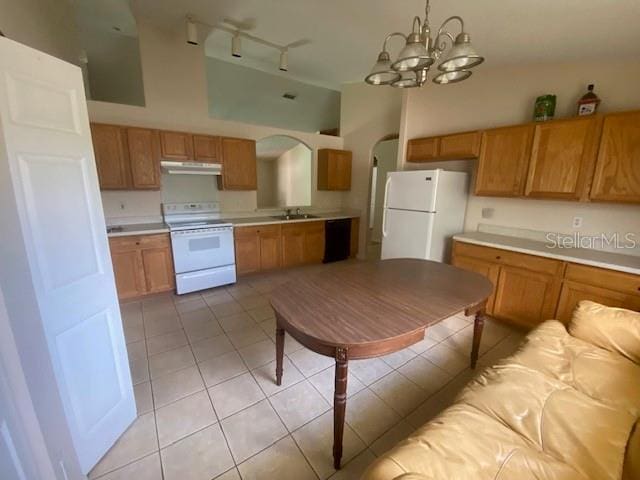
pixel 423 209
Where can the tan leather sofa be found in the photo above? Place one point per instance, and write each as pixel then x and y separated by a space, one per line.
pixel 565 406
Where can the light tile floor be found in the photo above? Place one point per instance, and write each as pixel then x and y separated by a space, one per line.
pixel 203 367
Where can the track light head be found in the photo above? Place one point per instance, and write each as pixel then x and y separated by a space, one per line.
pixel 192 32
pixel 235 45
pixel 284 60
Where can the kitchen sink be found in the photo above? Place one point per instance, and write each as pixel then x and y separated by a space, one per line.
pixel 293 216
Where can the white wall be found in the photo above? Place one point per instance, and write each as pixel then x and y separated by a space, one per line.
pixel 294 177
pixel 46 25
pixel 368 114
pixel 387 153
pixel 267 180
pixel 176 98
pixel 503 96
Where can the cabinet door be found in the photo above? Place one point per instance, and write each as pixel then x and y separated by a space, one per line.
pixel 144 157
pixel 112 161
pixel 334 169
pixel 270 247
pixel 524 297
pixel 502 165
pixel 247 245
pixel 293 245
pixel 574 292
pixel 158 269
pixel 423 149
pixel 128 270
pixel 205 148
pixel 489 270
pixel 460 146
pixel 239 164
pixel 355 237
pixel 176 145
pixel 617 173
pixel 562 158
pixel 313 242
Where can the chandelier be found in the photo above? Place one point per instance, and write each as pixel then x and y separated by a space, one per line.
pixel 420 51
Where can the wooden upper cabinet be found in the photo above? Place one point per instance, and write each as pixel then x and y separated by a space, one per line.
pixel 112 159
pixel 459 146
pixel 617 172
pixel 239 171
pixel 176 145
pixel 423 149
pixel 144 157
pixel 334 169
pixel 562 157
pixel 502 164
pixel 206 148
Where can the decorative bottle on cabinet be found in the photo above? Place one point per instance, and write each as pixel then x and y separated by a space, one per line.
pixel 588 103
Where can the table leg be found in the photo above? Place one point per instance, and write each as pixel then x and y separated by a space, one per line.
pixel 339 404
pixel 478 324
pixel 279 353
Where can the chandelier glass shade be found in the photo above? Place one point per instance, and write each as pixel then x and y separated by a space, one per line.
pixel 421 50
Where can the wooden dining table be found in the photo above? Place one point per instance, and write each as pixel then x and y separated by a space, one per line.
pixel 357 310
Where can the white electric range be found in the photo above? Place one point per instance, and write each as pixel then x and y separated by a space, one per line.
pixel 202 244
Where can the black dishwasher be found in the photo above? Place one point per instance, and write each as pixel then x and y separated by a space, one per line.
pixel 337 236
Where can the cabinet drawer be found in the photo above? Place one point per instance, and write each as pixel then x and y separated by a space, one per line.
pixel 138 242
pixel 601 277
pixel 506 257
pixel 245 231
pixel 269 230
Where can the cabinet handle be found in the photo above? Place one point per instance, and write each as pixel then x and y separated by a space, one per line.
pixel 137 243
pixel 498 257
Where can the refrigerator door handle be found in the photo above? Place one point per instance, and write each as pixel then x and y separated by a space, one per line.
pixel 384 223
pixel 386 192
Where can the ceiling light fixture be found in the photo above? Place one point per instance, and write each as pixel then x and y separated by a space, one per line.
pixel 284 60
pixel 235 45
pixel 192 32
pixel 420 51
pixel 237 34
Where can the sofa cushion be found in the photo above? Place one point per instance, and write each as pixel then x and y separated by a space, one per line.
pixel 539 414
pixel 614 329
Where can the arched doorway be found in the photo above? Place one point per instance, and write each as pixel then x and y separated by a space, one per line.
pixel 384 160
pixel 284 172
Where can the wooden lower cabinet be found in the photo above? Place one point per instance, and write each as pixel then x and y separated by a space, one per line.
pixel 257 248
pixel 530 289
pixel 525 297
pixel 302 243
pixel 142 264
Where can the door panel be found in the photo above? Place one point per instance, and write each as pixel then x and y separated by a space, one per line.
pixel 144 155
pixel 489 270
pixel 313 242
pixel 129 274
pixel 247 253
pixel 158 269
pixel 239 170
pixel 293 245
pixel 423 149
pixel 502 165
pixel 110 149
pixel 574 292
pixel 617 174
pixel 57 200
pixel 206 148
pixel 176 145
pixel 460 146
pixel 525 297
pixel 411 190
pixel 406 234
pixel 270 247
pixel 561 158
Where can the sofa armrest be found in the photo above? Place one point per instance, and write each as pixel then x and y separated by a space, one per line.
pixel 614 329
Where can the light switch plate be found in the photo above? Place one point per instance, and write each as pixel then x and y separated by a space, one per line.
pixel 577 222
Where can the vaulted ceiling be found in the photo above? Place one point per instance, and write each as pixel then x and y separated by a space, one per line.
pixel 346 35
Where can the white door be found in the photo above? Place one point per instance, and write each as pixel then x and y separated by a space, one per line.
pixel 47 142
pixel 406 234
pixel 412 190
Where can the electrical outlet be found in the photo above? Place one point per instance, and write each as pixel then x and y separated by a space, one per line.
pixel 122 206
pixel 487 213
pixel 577 222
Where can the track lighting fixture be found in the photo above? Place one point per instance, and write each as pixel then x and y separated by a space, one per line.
pixel 284 60
pixel 235 45
pixel 192 32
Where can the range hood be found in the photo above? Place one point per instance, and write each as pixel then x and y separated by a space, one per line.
pixel 190 168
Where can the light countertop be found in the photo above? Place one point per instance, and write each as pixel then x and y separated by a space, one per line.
pixel 255 221
pixel 585 256
pixel 151 228
pixel 137 229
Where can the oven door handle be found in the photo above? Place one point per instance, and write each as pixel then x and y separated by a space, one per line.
pixel 182 234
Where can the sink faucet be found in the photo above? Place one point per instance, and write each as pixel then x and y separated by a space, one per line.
pixel 297 211
pixel 287 212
